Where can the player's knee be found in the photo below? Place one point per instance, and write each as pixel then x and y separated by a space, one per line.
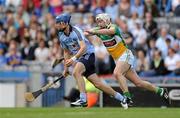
pixel 76 74
pixel 98 85
pixel 117 74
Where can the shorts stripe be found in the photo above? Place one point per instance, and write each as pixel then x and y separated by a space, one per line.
pixel 128 55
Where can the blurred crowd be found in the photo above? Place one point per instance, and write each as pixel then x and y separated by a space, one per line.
pixel 27 32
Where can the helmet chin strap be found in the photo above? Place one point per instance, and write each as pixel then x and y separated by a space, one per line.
pixel 108 25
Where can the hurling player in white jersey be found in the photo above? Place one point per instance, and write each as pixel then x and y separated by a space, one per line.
pixel 111 36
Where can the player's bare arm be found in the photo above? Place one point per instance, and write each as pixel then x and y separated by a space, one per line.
pixel 81 51
pixel 104 31
pixel 66 57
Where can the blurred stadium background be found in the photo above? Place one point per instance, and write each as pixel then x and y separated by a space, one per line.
pixel 28 44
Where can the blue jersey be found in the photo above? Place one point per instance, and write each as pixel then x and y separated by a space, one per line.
pixel 71 42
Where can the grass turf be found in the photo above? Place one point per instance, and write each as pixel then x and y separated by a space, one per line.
pixel 89 113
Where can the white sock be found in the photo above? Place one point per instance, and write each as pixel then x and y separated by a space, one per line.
pixel 118 96
pixel 83 97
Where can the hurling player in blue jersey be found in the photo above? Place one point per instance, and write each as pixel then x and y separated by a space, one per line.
pixel 79 51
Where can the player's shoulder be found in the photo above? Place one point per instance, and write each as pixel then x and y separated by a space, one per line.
pixel 76 29
pixel 78 32
pixel 113 25
pixel 116 27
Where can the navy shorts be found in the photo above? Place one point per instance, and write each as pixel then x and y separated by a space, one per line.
pixel 89 62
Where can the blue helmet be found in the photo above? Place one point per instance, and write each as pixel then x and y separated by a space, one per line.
pixel 65 17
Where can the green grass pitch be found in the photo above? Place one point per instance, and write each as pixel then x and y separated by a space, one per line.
pixel 89 113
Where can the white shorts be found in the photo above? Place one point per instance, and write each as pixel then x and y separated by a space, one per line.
pixel 128 57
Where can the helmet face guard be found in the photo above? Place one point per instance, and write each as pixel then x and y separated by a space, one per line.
pixel 103 18
pixel 63 18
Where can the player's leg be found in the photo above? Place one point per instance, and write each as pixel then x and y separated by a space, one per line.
pixel 98 83
pixel 122 65
pixel 78 70
pixel 119 72
pixel 83 67
pixel 133 77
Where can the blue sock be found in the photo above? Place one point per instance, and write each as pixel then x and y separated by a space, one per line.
pixel 83 97
pixel 118 96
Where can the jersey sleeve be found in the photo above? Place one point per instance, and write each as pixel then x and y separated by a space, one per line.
pixel 96 28
pixel 117 30
pixel 79 33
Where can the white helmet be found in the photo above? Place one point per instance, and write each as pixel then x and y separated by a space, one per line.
pixel 105 17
